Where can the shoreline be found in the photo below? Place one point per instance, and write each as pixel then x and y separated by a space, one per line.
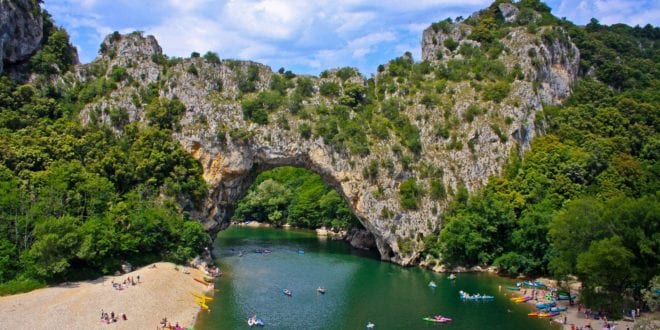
pixel 575 316
pixel 161 292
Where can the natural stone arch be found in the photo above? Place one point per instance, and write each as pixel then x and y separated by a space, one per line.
pixel 231 174
pixel 232 149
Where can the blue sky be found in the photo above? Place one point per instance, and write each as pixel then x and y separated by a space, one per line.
pixel 301 35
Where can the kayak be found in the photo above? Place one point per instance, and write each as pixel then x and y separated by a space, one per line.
pixel 467 296
pixel 546 305
pixel 442 319
pixel 565 297
pixel 254 321
pixel 558 309
pixel 201 296
pixel 521 299
pixel 533 314
pixel 513 288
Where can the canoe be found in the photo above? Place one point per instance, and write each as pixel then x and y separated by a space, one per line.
pixel 440 320
pixel 521 299
pixel 202 304
pixel 551 314
pixel 201 296
pixel 546 305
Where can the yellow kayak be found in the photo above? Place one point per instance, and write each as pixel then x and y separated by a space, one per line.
pixel 200 296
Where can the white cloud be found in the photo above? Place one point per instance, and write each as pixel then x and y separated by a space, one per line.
pixel 308 35
pixel 365 45
pixel 630 12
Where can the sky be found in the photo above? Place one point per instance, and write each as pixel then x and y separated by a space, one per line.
pixel 304 36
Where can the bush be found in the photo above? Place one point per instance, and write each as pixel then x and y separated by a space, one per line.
pixel 472 111
pixel 451 44
pixel 257 109
pixel 409 194
pixel 497 91
pixel 330 89
pixel 212 57
pixel 20 285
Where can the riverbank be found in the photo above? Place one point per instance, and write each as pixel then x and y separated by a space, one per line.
pixel 573 317
pixel 162 291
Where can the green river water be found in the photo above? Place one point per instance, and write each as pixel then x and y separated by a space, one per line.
pixel 360 288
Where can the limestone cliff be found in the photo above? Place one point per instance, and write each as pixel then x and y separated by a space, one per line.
pixel 21 30
pixel 481 130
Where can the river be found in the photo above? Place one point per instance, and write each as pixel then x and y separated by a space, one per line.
pixel 360 288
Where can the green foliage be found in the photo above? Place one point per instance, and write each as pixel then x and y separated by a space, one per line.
pixel 583 201
pixel 165 113
pixel 305 87
pixel 437 189
pixel 346 73
pixel 118 74
pixel 471 112
pixel 496 91
pixel 451 44
pixel 330 89
pixel 295 196
pixel 75 200
pixel 212 57
pixel 55 56
pixel 444 26
pixel 257 109
pixel 409 194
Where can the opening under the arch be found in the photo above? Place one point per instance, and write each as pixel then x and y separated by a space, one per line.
pixel 300 198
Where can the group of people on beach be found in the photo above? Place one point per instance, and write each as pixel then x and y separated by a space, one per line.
pixel 112 317
pixel 129 280
pixel 164 324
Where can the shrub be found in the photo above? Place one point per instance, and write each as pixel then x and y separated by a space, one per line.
pixel 212 57
pixel 451 44
pixel 330 89
pixel 257 109
pixel 409 194
pixel 497 91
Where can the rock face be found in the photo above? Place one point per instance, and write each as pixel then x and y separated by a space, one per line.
pixel 509 11
pixel 21 30
pixel 232 150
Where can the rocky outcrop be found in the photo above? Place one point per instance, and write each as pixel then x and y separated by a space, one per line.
pixel 361 239
pixel 232 150
pixel 21 30
pixel 509 11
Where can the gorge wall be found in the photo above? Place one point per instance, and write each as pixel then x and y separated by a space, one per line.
pixel 436 126
pixel 21 30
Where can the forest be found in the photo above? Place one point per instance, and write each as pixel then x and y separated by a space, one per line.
pixel 77 200
pixel 584 200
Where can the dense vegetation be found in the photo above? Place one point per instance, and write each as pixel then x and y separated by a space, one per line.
pixel 76 200
pixel 295 196
pixel 584 200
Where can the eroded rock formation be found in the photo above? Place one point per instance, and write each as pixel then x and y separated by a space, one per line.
pixel 232 150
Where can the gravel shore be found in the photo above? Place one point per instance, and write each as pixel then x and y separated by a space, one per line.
pixel 162 292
